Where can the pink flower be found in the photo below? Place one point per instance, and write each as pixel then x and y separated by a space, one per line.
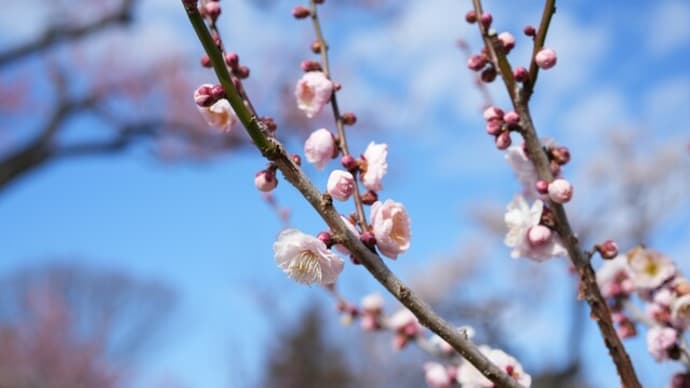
pixel 520 219
pixel 341 185
pixel 649 269
pixel 406 327
pixel 493 113
pixel 372 304
pixel 320 147
pixel 660 340
pixel 220 115
pixel 375 167
pixel 614 279
pixel 306 259
pixel 436 375
pixel 313 91
pixel 469 377
pixel 265 180
pixel 507 40
pixel 560 191
pixel 546 58
pixel 391 226
pixel 680 312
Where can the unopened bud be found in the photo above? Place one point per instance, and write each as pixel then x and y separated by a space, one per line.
pixel 503 141
pixel 542 186
pixel 560 191
pixel 561 155
pixel 232 60
pixel 205 61
pixel 242 72
pixel 316 47
pixel 301 12
pixel 326 238
pixel 217 92
pixel 471 17
pixel 511 117
pixel 494 127
pixel 507 40
pixel 368 239
pixel 350 163
pixel 538 236
pixel 546 58
pixel 477 62
pixel 520 74
pixel 486 19
pixel 309 65
pixel 212 10
pixel 608 249
pixel 349 118
pixel 265 180
pixel 488 75
pixel 529 30
pixel 297 159
pixel 492 113
pixel 369 197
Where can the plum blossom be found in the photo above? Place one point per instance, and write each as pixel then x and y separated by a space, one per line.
pixel 406 327
pixel 649 269
pixel 306 259
pixel 680 312
pixel 391 227
pixel 469 377
pixel 436 375
pixel 219 115
pixel 520 219
pixel 341 185
pixel 313 91
pixel 320 147
pixel 524 170
pixel 613 278
pixel 375 167
pixel 660 340
pixel 372 303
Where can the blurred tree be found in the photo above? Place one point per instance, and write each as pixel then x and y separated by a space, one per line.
pixel 69 326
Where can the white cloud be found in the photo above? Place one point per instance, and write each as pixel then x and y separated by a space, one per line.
pixel 668 28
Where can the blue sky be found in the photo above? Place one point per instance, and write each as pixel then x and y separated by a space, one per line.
pixel 204 229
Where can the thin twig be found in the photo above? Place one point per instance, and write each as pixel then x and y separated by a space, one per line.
pixel 274 151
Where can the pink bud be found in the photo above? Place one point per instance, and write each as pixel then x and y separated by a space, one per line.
pixel 232 60
pixel 326 238
pixel 205 61
pixel 486 19
pixel 476 62
pixel 560 191
pixel 242 72
pixel 608 249
pixel 301 12
pixel 546 58
pixel 265 180
pixel 217 92
pixel 511 117
pixel 309 65
pixel 529 30
pixel 341 185
pixel 561 155
pixel 520 74
pixel 349 118
pixel 507 40
pixel 369 197
pixel 542 186
pixel 296 158
pixel 494 127
pixel 202 95
pixel 368 239
pixel 503 141
pixel 493 112
pixel 538 236
pixel 350 163
pixel 212 9
pixel 320 147
pixel 471 17
pixel 488 75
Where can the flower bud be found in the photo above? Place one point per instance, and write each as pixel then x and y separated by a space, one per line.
pixel 368 239
pixel 511 117
pixel 205 61
pixel 296 158
pixel 561 155
pixel 520 74
pixel 301 12
pixel 503 140
pixel 486 19
pixel 477 62
pixel 369 197
pixel 608 249
pixel 242 72
pixel 538 236
pixel 542 186
pixel 349 118
pixel 203 97
pixel 546 58
pixel 320 147
pixel 326 238
pixel 492 113
pixel 350 163
pixel 507 40
pixel 488 75
pixel 212 10
pixel 265 180
pixel 309 65
pixel 529 30
pixel 471 17
pixel 494 127
pixel 341 185
pixel 316 47
pixel 560 191
pixel 232 60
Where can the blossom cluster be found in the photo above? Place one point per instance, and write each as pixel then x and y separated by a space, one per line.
pixel 450 369
pixel 661 288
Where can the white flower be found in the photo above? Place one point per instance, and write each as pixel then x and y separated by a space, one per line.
pixel 520 219
pixel 649 269
pixel 372 303
pixel 391 227
pixel 660 340
pixel 320 147
pixel 306 259
pixel 613 277
pixel 470 377
pixel 375 167
pixel 436 375
pixel 220 115
pixel 313 91
pixel 524 170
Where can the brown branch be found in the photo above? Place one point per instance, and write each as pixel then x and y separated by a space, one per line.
pixel 56 34
pixel 599 309
pixel 274 151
